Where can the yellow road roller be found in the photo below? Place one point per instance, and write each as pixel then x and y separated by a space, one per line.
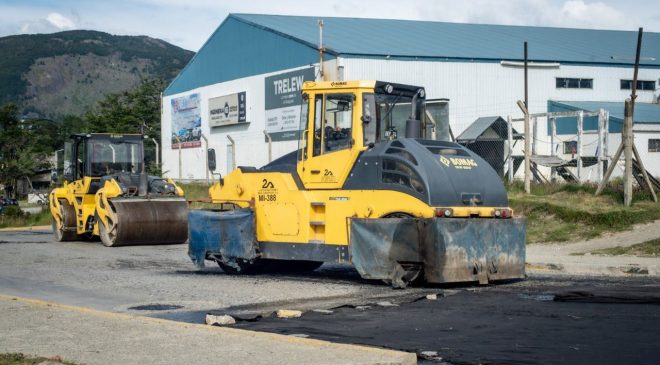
pixel 107 194
pixel 370 185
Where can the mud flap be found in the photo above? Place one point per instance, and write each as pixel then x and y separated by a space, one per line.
pixel 229 235
pixel 449 249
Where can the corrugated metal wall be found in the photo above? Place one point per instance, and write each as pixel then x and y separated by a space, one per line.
pixel 475 89
pixel 478 89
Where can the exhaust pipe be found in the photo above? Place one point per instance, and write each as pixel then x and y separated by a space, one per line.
pixel 414 124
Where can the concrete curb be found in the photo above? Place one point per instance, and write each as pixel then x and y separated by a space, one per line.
pixel 28 228
pixel 381 356
pixel 593 269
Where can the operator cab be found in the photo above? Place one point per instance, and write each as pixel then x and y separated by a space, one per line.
pixel 98 155
pixel 94 158
pixel 342 118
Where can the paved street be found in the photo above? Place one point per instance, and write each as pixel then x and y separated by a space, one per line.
pixel 118 279
pixel 512 322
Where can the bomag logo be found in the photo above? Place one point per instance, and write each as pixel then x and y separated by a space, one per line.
pixel 445 161
pixel 459 163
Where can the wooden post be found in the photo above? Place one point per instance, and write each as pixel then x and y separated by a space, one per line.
pixel 510 139
pixel 627 145
pixel 610 169
pixel 553 140
pixel 553 135
pixel 601 123
pixel 580 127
pixel 645 174
pixel 535 127
pixel 627 140
pixel 528 150
pixel 606 140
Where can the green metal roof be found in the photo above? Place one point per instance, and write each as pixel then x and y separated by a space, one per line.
pixel 424 39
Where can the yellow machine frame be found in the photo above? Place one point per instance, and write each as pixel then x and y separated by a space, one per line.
pixel 276 197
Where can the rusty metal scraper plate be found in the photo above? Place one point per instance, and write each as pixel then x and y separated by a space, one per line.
pixel 448 249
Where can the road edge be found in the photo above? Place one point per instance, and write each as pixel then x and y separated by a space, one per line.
pixel 24 228
pixel 401 356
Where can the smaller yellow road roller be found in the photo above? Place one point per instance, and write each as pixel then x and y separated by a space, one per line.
pixel 107 194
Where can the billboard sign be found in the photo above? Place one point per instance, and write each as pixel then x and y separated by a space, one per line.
pixel 283 100
pixel 227 110
pixel 186 121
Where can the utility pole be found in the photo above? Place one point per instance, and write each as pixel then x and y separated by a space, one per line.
pixel 627 146
pixel 627 141
pixel 528 151
pixel 528 170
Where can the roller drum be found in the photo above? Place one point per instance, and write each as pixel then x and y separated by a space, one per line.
pixel 140 221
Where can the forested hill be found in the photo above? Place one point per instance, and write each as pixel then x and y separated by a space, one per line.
pixel 69 72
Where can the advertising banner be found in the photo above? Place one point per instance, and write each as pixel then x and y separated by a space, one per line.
pixel 227 110
pixel 283 100
pixel 186 121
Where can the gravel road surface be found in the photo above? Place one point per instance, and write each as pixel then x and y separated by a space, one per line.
pixel 143 277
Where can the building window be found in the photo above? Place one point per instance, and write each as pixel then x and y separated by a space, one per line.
pixel 573 83
pixel 654 145
pixel 641 85
pixel 570 147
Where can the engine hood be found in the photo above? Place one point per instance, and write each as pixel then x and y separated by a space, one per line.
pixel 436 172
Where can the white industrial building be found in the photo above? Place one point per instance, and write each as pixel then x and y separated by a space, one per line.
pixel 246 80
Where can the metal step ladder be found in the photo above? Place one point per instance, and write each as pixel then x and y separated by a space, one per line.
pixel 317 222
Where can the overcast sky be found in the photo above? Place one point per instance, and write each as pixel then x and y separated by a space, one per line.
pixel 188 23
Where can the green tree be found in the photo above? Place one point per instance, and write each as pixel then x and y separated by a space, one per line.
pixel 129 112
pixel 126 112
pixel 24 149
pixel 70 124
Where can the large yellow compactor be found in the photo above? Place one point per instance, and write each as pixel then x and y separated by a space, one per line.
pixel 370 184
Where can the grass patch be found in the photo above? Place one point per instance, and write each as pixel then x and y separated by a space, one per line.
pixel 566 212
pixel 649 249
pixel 21 359
pixel 555 212
pixel 25 219
pixel 197 191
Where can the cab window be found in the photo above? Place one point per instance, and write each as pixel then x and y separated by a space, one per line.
pixel 332 122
